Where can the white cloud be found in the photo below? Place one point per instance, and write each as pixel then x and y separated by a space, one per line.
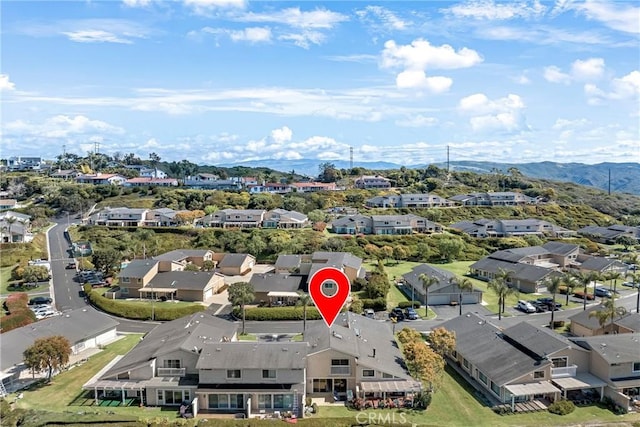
pixel 252 35
pixel 136 3
pixel 618 16
pixel 490 10
pixel 543 35
pixel 204 7
pixel 5 83
pixel 61 126
pixel 502 114
pixel 95 36
pixel 417 121
pixel 626 87
pixel 588 69
pixel 358 57
pixel 304 39
pixel 382 18
pixel 417 79
pixel 562 124
pixel 522 79
pixel 554 74
pixel 294 17
pixel 282 135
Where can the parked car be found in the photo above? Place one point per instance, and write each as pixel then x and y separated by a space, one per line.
pixel 526 306
pixel 71 266
pixel 540 307
pixel 548 301
pixel 411 314
pixel 368 312
pixel 40 300
pixel 581 295
pixel 603 292
pixel 397 314
pixel 631 284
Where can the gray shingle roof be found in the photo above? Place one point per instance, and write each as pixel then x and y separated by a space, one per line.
pixel 138 268
pixel 481 343
pixel 540 341
pixel 599 263
pixel 630 321
pixel 443 276
pixel 233 260
pixel 288 261
pixel 526 272
pixel 265 282
pixel 616 348
pixel 253 355
pixel 560 248
pixel 181 254
pixel 77 326
pixel 582 318
pixel 185 280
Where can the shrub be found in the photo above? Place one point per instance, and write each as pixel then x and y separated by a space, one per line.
pixel 423 400
pixel 20 315
pixel 356 306
pixel 314 406
pixel 562 407
pixel 405 304
pixel 278 313
pixel 377 304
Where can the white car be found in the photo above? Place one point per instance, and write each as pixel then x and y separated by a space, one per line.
pixel 526 306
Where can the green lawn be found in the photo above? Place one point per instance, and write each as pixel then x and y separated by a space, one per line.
pixel 454 404
pixel 5 277
pixel 247 337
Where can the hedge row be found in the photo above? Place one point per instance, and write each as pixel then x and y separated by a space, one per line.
pixel 277 313
pixel 140 312
pixel 377 304
pixel 405 304
pixel 20 315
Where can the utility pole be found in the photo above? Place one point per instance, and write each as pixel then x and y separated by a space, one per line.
pixel 350 157
pixel 609 181
pixel 448 164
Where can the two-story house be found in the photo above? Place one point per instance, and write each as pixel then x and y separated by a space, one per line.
pixel 135 276
pixel 252 377
pixel 281 218
pixel 119 217
pixel 609 234
pixel 101 179
pixel 234 218
pixel 372 182
pixel 23 163
pixel 410 200
pixel 15 227
pixel 384 224
pixel 314 187
pixel 444 291
pixel 498 198
pixel 356 356
pixel 513 227
pixel 150 181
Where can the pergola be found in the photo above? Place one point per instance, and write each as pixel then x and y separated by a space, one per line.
pixel 530 389
pixel 581 381
pixel 384 387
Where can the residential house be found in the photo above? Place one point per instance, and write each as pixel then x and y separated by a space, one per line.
pixel 503 371
pixel 85 328
pixel 584 324
pixel 616 360
pixel 66 174
pixel 119 217
pixel 23 163
pixel 135 276
pixel 445 291
pixel 101 179
pixel 152 173
pixel 180 258
pixel 234 218
pixel 609 234
pixel 276 288
pixel 151 182
pixel 288 264
pixel 183 285
pixel 372 182
pixel 270 187
pixel 410 200
pixel 498 198
pixel 15 227
pixel 598 264
pixel 511 227
pixel 281 218
pixel 384 224
pixel 313 187
pixel 161 369
pixel 346 262
pixel 357 356
pixel 8 204
pixel 211 182
pixel 236 264
pixel 162 217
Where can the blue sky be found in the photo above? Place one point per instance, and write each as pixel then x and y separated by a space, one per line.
pixel 224 81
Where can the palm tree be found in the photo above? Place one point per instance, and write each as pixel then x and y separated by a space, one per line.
pixel 304 300
pixel 464 285
pixel 613 276
pixel 569 284
pixel 241 293
pixel 427 282
pixel 501 288
pixel 10 220
pixel 553 284
pixel 635 278
pixel 585 278
pixel 608 311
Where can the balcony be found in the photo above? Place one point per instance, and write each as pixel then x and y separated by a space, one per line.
pixel 565 372
pixel 340 370
pixel 171 372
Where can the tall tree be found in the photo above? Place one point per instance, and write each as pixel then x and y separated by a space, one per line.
pixel 553 284
pixel 585 278
pixel 442 341
pixel 427 281
pixel 328 172
pixel 608 311
pixel 47 353
pixel 499 285
pixel 305 301
pixel 464 285
pixel 635 278
pixel 613 277
pixel 154 159
pixel 106 260
pixel 241 294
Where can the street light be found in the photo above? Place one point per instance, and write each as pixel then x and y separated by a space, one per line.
pixel 172 285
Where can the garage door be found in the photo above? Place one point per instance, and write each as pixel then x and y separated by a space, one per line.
pixel 208 293
pixel 438 299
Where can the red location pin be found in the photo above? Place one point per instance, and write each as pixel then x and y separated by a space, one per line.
pixel 329 289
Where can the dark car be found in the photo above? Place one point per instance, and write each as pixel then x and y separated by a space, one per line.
pixel 40 300
pixel 539 306
pixel 397 314
pixel 71 266
pixel 603 292
pixel 410 313
pixel 549 303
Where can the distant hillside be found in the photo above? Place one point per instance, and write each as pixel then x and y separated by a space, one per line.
pixel 625 177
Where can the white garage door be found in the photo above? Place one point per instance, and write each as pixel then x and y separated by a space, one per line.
pixel 208 293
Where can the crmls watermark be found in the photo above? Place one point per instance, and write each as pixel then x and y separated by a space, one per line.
pixel 371 418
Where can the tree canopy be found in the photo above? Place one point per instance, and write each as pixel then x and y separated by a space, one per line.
pixel 48 354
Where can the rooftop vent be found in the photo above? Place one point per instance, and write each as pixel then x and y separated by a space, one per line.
pixel 218 349
pixel 285 349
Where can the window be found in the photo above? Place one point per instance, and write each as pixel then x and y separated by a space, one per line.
pixel 385 375
pixel 495 388
pixel 560 362
pixel 171 363
pixel 125 280
pixel 268 373
pixel 234 373
pixel 124 291
pixel 482 377
pixel 465 363
pixel 282 401
pixel 160 396
pixel 339 362
pixel 538 374
pixel 368 373
pixel 321 385
pixel 264 401
pixel 636 367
